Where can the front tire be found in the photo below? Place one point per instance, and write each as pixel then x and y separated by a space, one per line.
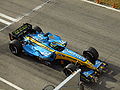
pixel 69 69
pixel 91 54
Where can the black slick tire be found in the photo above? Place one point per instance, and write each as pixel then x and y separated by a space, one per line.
pixel 36 28
pixel 69 69
pixel 91 54
pixel 15 47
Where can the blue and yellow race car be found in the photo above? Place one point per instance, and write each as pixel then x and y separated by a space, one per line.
pixel 52 49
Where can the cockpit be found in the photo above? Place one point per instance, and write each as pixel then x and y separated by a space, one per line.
pixel 57 46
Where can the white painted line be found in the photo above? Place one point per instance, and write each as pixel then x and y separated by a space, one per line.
pixel 5 22
pixel 33 10
pixel 10 84
pixel 67 79
pixel 101 5
pixel 7 17
pixel 40 6
pixel 27 14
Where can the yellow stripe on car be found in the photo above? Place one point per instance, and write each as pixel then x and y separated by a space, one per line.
pixel 63 56
pixel 60 55
pixel 40 44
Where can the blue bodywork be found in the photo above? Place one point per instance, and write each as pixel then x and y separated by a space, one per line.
pixel 50 47
pixel 35 50
pixel 46 52
pixel 42 52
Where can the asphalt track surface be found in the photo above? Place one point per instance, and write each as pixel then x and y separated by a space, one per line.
pixel 80 23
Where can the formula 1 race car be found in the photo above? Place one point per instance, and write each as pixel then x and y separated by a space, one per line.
pixel 51 48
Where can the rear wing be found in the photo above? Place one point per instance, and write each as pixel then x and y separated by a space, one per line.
pixel 20 31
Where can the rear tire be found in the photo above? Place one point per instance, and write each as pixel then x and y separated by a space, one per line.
pixel 91 54
pixel 15 47
pixel 36 28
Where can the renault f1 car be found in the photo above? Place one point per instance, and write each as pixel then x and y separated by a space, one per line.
pixel 51 48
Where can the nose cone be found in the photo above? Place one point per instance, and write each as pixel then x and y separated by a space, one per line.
pixel 73 54
pixel 90 65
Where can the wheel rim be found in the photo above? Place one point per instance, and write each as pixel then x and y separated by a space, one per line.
pixel 13 49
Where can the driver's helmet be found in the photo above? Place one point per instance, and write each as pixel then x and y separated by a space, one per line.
pixel 53 44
